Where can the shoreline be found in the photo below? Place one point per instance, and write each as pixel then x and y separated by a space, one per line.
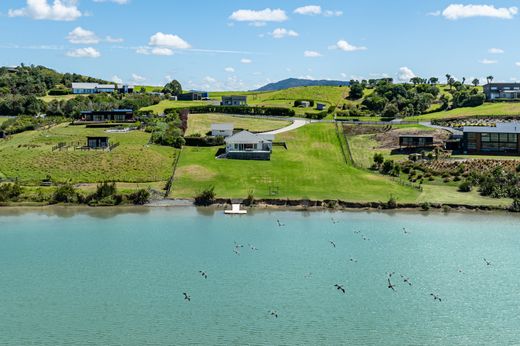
pixel 275 205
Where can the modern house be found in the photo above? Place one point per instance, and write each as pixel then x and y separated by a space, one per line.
pixel 305 104
pixel 97 142
pixel 248 146
pixel 320 106
pixel 95 88
pixel 415 141
pixel 502 91
pixel 116 115
pixel 191 96
pixel 503 138
pixel 222 130
pixel 234 100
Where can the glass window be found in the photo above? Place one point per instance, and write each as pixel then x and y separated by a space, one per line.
pixel 503 137
pixel 485 137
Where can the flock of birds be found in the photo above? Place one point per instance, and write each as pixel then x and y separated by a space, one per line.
pixel 391 278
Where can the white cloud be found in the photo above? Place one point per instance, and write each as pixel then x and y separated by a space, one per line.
pixel 209 79
pixel 229 69
pixel 246 61
pixel 517 63
pixel 308 10
pixel 111 39
pixel 168 78
pixel 434 13
pixel 62 10
pixel 459 11
pixel 117 79
pixel 488 61
pixel 161 51
pixel 343 75
pixel 87 52
pixel 496 51
pixel 330 13
pixel 137 78
pixel 259 17
pixel 82 36
pixel 168 40
pixel 120 2
pixel 347 47
pixel 311 54
pixel 405 74
pixel 281 33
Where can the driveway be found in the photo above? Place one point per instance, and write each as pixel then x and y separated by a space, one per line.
pixel 295 125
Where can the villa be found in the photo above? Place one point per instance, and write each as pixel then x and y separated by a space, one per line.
pixel 415 141
pixel 97 142
pixel 249 146
pixel 502 91
pixel 234 100
pixel 116 115
pixel 95 88
pixel 503 138
pixel 222 130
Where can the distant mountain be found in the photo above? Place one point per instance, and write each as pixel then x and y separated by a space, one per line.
pixel 295 82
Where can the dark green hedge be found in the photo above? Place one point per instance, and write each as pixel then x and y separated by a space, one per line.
pixel 245 110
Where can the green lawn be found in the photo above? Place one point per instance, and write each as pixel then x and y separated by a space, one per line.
pixel 3 119
pixel 201 123
pixel 161 106
pixel 487 109
pixel 312 167
pixel 28 157
pixel 50 98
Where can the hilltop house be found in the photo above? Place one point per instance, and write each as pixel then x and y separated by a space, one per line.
pixel 95 88
pixel 321 106
pixel 222 130
pixel 502 91
pixel 503 138
pixel 191 96
pixel 116 115
pixel 248 146
pixel 234 100
pixel 415 141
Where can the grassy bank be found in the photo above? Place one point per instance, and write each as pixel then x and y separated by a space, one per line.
pixel 488 109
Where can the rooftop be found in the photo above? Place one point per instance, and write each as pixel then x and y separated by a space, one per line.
pixel 498 128
pixel 248 137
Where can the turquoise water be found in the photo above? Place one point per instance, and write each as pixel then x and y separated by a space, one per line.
pixel 106 277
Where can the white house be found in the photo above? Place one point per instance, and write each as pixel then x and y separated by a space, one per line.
pixel 249 146
pixel 95 88
pixel 222 130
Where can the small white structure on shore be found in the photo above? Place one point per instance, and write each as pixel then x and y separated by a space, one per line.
pixel 222 130
pixel 235 210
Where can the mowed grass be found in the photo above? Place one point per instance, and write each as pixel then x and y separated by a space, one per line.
pixel 312 167
pixel 50 98
pixel 488 109
pixel 201 123
pixel 3 119
pixel 28 157
pixel 161 106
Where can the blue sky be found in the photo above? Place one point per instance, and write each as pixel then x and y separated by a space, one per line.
pixel 243 44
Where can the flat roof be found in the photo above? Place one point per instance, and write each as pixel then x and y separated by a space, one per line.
pixel 415 136
pixel 498 128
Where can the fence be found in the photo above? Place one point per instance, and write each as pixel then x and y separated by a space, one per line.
pixel 341 143
pixel 169 183
pixel 407 184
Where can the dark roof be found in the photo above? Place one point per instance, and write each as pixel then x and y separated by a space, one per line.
pixel 109 111
pixel 415 136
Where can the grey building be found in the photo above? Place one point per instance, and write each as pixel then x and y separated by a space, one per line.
pixel 249 146
pixel 502 91
pixel 222 130
pixel 95 88
pixel 503 138
pixel 234 100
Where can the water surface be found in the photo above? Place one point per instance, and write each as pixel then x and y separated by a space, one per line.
pixel 105 277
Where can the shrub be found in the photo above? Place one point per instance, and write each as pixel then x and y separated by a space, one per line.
pixel 140 197
pixel 465 186
pixel 206 197
pixel 387 167
pixel 250 200
pixel 10 192
pixel 392 203
pixel 65 193
pixel 515 206
pixel 425 206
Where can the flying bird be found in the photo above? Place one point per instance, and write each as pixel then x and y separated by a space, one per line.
pixel 436 297
pixel 203 274
pixel 405 231
pixel 274 313
pixel 340 288
pixel 487 262
pixel 332 243
pixel 334 220
pixel 236 252
pixel 186 296
pixel 279 223
pixel 406 280
pixel 390 285
pixel 353 260
pixel 252 247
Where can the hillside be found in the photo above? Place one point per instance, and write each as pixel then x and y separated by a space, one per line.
pixel 37 80
pixel 295 82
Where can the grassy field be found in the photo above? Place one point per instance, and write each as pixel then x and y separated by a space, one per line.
pixel 3 119
pixel 312 167
pixel 201 123
pixel 161 106
pixel 28 157
pixel 487 109
pixel 50 98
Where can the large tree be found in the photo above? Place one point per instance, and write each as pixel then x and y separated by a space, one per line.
pixel 475 82
pixel 173 88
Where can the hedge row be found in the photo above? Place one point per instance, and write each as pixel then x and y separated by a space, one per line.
pixel 245 110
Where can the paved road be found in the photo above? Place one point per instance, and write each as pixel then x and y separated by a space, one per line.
pixel 295 125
